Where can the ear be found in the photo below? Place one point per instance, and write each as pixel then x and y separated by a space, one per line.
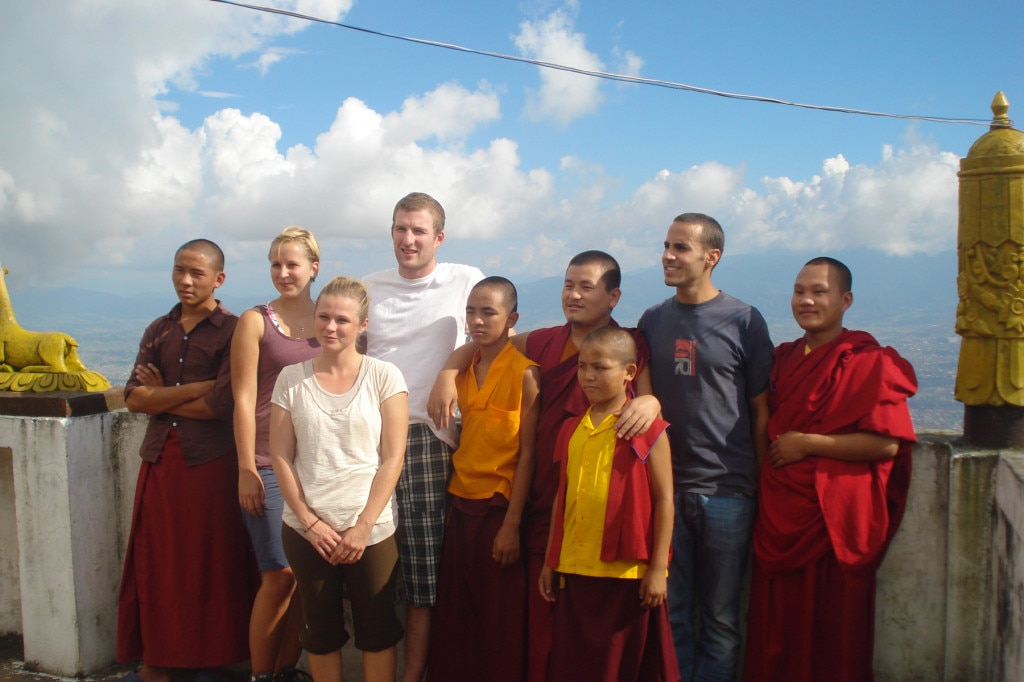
pixel 362 326
pixel 511 320
pixel 631 371
pixel 219 279
pixel 316 270
pixel 615 295
pixel 711 258
pixel 439 238
pixel 847 300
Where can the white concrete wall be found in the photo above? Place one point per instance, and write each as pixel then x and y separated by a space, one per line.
pixel 910 612
pixel 68 499
pixel 1007 615
pixel 950 593
pixel 10 586
pixel 128 432
pixel 950 600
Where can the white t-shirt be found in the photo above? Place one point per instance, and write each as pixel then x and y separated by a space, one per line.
pixel 416 324
pixel 337 441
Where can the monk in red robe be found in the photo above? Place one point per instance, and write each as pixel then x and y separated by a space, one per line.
pixel 832 490
pixel 590 292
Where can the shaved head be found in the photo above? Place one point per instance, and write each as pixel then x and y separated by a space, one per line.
pixel 208 249
pixel 615 341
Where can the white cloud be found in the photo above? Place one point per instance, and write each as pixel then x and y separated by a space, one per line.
pixel 214 94
pixel 904 204
pixel 96 168
pixel 449 112
pixel 628 63
pixel 563 96
pixel 271 56
pixel 907 203
pixel 84 132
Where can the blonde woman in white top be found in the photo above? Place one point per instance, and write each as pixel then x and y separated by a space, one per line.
pixel 337 442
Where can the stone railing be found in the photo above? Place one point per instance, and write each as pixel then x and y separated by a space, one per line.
pixel 950 593
pixel 67 484
pixel 951 590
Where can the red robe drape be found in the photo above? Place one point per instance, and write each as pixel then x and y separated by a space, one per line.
pixel 561 398
pixel 823 525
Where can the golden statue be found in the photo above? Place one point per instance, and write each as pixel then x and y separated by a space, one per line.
pixel 990 314
pixel 39 361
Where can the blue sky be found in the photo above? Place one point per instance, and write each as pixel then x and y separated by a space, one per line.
pixel 130 127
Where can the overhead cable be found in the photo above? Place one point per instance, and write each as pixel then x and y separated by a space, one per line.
pixel 620 77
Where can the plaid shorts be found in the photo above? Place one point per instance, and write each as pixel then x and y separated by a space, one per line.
pixel 421 495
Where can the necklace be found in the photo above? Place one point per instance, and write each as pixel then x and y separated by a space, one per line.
pixel 275 318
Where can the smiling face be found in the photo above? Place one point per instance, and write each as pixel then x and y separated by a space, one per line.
pixel 195 279
pixel 685 261
pixel 819 303
pixel 586 302
pixel 337 322
pixel 291 269
pixel 488 317
pixel 416 241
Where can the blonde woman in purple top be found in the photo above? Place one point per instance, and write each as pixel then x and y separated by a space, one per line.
pixel 269 337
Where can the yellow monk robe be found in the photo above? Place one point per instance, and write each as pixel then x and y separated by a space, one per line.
pixel 485 462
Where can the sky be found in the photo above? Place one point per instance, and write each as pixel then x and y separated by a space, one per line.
pixel 131 126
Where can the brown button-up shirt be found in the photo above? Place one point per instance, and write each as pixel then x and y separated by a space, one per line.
pixel 202 354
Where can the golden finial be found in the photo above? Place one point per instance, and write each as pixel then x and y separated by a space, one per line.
pixel 1000 107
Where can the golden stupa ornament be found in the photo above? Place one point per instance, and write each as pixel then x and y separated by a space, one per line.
pixel 39 361
pixel 990 251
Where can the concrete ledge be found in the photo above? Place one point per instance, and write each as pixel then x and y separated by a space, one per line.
pixel 60 403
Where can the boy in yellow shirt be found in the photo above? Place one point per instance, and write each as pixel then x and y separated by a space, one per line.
pixel 611 530
pixel 479 621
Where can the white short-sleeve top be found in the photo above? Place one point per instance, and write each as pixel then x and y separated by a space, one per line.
pixel 337 441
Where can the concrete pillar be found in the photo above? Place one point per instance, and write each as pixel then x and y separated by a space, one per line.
pixel 1008 569
pixel 67 498
pixel 969 567
pixel 910 617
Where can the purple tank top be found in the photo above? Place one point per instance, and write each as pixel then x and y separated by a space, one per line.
pixel 277 351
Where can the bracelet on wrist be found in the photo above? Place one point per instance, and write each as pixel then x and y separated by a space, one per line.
pixel 310 527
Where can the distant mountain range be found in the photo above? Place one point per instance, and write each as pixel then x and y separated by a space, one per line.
pixel 908 303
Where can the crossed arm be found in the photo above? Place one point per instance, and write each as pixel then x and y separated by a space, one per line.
pixel 152 397
pixel 862 446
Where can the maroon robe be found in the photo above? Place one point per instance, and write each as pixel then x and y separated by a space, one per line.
pixel 561 398
pixel 189 574
pixel 478 628
pixel 603 634
pixel 823 524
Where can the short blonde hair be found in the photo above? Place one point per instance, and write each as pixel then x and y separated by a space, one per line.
pixel 294 233
pixel 349 288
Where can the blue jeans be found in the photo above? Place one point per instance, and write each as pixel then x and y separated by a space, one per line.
pixel 710 545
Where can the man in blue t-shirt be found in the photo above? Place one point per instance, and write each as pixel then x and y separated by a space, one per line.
pixel 710 360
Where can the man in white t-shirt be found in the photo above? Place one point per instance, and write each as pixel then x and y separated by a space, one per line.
pixel 417 318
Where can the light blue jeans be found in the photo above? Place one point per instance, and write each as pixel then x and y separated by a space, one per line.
pixel 710 545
